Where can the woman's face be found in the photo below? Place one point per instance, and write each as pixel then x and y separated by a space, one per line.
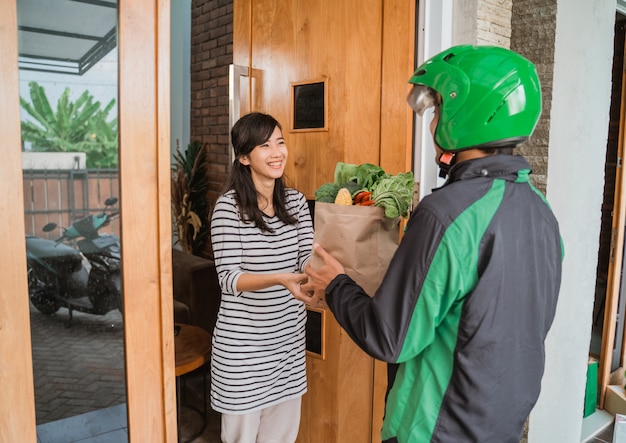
pixel 267 161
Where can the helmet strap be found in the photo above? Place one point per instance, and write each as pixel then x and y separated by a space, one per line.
pixel 445 163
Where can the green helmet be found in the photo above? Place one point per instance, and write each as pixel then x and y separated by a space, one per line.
pixel 489 97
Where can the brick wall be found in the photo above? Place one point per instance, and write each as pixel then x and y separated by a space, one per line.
pixel 527 27
pixel 533 26
pixel 494 23
pixel 211 54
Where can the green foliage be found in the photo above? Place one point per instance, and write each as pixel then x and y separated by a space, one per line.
pixel 394 193
pixel 327 192
pixel 365 175
pixel 190 207
pixel 80 126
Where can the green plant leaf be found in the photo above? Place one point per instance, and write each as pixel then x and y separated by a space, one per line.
pixel 77 126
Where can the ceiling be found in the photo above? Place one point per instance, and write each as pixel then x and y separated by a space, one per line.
pixel 65 36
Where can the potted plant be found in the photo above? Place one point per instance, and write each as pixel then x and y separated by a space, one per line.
pixel 190 208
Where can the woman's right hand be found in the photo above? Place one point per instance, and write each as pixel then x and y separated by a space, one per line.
pixel 294 283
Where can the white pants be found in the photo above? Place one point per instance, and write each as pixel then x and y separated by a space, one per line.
pixel 276 424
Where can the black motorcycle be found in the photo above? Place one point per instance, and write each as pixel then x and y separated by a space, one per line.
pixel 86 280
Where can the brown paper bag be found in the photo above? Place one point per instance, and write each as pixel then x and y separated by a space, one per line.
pixel 360 237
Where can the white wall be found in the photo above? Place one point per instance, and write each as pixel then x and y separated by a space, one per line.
pixel 578 136
pixel 434 34
pixel 577 148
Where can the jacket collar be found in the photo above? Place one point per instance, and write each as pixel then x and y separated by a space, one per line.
pixel 500 166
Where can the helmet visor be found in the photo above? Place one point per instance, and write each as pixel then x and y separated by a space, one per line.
pixel 421 98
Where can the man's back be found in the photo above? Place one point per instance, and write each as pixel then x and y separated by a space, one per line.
pixel 486 261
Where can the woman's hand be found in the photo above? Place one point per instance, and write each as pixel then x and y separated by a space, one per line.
pixel 294 282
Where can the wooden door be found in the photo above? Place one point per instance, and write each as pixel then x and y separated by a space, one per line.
pixel 17 402
pixel 362 52
pixel 616 259
pixel 143 41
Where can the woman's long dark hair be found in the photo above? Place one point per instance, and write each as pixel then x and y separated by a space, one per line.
pixel 248 132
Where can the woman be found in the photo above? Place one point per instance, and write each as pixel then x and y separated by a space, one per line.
pixel 262 234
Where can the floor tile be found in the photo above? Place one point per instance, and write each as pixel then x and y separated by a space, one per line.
pixel 86 426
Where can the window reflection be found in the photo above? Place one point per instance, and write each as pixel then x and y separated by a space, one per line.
pixel 68 90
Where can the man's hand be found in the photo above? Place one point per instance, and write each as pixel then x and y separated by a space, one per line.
pixel 294 282
pixel 320 278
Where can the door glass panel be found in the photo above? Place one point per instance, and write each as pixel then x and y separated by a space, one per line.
pixel 68 89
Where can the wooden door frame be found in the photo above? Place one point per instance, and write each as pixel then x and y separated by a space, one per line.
pixel 143 38
pixel 616 257
pixel 17 402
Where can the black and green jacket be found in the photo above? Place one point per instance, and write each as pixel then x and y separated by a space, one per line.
pixel 464 307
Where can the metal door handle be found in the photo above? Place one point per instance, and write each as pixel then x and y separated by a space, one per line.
pixel 234 100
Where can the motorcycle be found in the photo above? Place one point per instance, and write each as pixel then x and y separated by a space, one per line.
pixel 86 280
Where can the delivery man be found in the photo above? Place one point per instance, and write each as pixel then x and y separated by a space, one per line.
pixel 471 292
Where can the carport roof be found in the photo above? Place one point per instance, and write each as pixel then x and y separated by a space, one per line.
pixel 65 36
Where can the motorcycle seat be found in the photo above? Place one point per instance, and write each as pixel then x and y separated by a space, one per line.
pixel 43 248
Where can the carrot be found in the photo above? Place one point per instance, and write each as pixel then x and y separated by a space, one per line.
pixel 362 196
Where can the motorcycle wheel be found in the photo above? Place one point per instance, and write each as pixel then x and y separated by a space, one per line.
pixel 44 304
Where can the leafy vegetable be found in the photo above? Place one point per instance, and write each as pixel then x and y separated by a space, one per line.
pixel 394 193
pixel 365 175
pixel 351 186
pixel 369 184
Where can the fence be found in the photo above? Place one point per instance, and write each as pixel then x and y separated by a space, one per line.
pixel 62 196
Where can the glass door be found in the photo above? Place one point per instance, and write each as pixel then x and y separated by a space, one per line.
pixel 68 83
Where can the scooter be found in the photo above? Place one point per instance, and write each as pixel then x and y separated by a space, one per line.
pixel 86 280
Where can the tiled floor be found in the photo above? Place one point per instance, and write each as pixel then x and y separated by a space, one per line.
pixel 109 425
pixel 101 426
pixel 66 369
pixel 79 382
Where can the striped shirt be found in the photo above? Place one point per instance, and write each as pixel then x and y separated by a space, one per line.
pixel 258 356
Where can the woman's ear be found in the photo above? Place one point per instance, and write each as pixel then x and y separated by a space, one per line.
pixel 244 160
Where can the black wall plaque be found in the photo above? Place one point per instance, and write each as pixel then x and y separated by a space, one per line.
pixel 315 332
pixel 309 105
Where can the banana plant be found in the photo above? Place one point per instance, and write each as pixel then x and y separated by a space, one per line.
pixel 80 126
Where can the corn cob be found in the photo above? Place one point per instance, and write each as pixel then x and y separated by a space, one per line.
pixel 343 197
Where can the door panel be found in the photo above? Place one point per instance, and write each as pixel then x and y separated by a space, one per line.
pixel 611 339
pixel 146 230
pixel 364 53
pixel 145 203
pixel 17 402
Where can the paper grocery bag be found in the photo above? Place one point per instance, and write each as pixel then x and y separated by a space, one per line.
pixel 360 237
